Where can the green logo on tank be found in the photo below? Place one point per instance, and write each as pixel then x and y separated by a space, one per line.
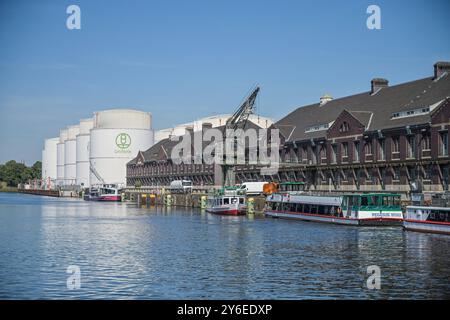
pixel 123 140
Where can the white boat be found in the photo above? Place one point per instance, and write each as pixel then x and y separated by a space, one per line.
pixel 427 219
pixel 227 202
pixel 104 192
pixel 375 209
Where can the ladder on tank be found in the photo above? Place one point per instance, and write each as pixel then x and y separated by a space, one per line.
pixel 95 172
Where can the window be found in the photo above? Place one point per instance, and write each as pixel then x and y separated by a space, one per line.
pixel 395 144
pixel 426 141
pixel 344 149
pixel 323 152
pixel 396 173
pixel 411 147
pixel 368 148
pixel 344 127
pixel 304 153
pixel 356 151
pixel 314 155
pixel 427 172
pixel 319 127
pixel 443 143
pixel 410 113
pixel 381 150
pixel 333 153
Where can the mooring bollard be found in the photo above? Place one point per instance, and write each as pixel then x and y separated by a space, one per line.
pixel 251 206
pixel 203 202
pixel 168 199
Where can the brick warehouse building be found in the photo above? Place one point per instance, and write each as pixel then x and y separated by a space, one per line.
pixel 389 138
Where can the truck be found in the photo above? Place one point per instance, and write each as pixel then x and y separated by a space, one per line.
pixel 253 188
pixel 181 186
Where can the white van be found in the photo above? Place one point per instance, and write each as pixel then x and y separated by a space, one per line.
pixel 181 186
pixel 253 187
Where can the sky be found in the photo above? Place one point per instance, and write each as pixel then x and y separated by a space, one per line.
pixel 183 60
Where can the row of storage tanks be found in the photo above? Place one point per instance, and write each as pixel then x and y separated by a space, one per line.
pixel 96 150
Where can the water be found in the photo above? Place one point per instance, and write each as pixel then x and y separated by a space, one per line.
pixel 125 252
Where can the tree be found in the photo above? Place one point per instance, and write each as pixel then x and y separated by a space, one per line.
pixel 13 172
pixel 36 170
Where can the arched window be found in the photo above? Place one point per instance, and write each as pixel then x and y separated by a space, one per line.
pixel 344 127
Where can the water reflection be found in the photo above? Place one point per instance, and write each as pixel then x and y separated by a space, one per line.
pixel 153 253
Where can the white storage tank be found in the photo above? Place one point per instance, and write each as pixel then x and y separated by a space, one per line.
pixel 44 164
pixel 70 155
pixel 118 135
pixel 60 157
pixel 49 159
pixel 83 140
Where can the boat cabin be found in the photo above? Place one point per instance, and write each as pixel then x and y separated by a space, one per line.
pixel 291 187
pixel 226 200
pixel 371 202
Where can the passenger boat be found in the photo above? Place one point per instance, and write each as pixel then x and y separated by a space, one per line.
pixel 427 219
pixel 228 201
pixel 374 209
pixel 105 192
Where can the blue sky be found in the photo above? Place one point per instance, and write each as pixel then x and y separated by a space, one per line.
pixel 183 60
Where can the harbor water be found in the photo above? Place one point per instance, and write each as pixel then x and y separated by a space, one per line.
pixel 126 252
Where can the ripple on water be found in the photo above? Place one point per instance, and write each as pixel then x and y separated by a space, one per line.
pixel 126 252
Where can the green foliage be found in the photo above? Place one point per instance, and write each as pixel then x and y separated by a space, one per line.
pixel 13 173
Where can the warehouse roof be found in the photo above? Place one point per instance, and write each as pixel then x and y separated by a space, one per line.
pixel 387 107
pixel 162 150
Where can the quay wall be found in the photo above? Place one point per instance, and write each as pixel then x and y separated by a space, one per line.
pixel 188 200
pixel 48 193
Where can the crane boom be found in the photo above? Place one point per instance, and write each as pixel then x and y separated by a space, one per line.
pixel 237 121
pixel 240 116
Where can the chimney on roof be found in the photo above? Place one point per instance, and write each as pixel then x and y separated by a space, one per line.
pixel 325 98
pixel 440 68
pixel 377 84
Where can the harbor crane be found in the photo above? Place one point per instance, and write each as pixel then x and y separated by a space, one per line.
pixel 237 121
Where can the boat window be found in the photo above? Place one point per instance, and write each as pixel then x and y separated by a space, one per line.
pixel 306 208
pixel 439 216
pixel 346 201
pixel 234 200
pixel 368 200
pixel 226 201
pixel 364 201
pixel 241 200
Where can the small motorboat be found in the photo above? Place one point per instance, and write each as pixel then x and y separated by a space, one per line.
pixel 228 201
